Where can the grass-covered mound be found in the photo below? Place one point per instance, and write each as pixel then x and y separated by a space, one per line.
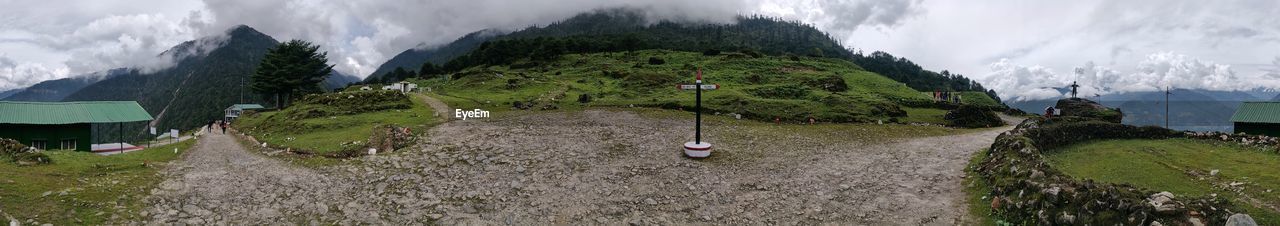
pixel 1185 167
pixel 336 124
pixel 12 150
pixel 1080 107
pixel 968 116
pixel 1023 188
pixel 792 89
pixel 83 188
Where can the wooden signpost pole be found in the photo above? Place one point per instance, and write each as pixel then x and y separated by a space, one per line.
pixel 697 148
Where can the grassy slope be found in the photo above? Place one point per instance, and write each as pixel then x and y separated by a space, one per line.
pixel 579 74
pixel 1163 165
pixel 327 134
pixel 93 183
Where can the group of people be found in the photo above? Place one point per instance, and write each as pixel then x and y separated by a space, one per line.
pixel 943 96
pixel 219 125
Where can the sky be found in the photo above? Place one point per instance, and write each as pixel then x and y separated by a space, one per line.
pixel 1022 49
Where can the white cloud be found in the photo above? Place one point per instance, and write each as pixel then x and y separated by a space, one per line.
pixel 1020 83
pixel 13 73
pixel 1155 72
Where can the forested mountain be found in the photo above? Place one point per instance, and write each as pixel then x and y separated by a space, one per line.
pixel 58 89
pixel 338 80
pixel 198 87
pixel 8 93
pixel 916 77
pixel 627 29
pixel 413 58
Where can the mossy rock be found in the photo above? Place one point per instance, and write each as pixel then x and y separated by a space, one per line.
pixel 967 116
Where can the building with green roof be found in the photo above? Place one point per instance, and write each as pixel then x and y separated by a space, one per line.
pixel 1258 118
pixel 64 125
pixel 233 112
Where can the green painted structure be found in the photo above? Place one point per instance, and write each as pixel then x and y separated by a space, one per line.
pixel 63 125
pixel 1257 118
pixel 234 111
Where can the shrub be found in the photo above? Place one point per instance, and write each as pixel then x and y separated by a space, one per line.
pixel 648 80
pixel 788 91
pixel 967 116
pixel 346 103
pixel 513 83
pixel 711 52
pixel 832 83
pixel 752 53
pixel 31 158
pixel 656 61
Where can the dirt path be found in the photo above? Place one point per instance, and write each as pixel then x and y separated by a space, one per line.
pixel 592 167
pixel 219 181
pixel 443 112
pixel 618 167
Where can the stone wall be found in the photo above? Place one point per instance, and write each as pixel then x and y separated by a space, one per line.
pixel 1025 190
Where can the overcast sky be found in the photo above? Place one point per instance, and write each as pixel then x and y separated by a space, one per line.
pixel 1015 47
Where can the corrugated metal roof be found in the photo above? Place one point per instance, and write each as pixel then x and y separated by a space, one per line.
pixel 246 106
pixel 49 113
pixel 1263 112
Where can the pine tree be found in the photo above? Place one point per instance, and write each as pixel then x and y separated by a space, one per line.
pixel 294 67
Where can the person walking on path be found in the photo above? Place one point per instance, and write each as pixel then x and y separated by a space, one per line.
pixel 224 127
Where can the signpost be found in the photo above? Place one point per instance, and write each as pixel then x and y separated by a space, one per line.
pixel 697 148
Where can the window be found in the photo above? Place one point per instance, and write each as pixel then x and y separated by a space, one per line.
pixel 38 144
pixel 68 144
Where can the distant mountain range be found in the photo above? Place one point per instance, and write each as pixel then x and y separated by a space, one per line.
pixel 8 93
pixel 185 95
pixel 58 89
pixel 1198 110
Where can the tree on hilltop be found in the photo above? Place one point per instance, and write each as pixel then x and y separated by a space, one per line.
pixel 294 67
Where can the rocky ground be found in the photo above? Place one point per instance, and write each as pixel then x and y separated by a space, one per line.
pixel 575 168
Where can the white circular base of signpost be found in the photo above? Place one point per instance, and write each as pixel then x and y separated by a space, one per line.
pixel 697 150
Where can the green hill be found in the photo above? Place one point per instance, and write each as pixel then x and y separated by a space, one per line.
pixel 827 89
pixel 633 31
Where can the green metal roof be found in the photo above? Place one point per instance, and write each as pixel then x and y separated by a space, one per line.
pixel 50 113
pixel 1263 112
pixel 246 106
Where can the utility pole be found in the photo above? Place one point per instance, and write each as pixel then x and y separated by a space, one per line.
pixel 1166 106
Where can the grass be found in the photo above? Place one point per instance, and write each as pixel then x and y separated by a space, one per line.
pixel 94 184
pixel 622 79
pixel 325 135
pixel 924 115
pixel 1181 166
pixel 976 190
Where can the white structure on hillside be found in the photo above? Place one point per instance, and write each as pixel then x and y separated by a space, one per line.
pixel 403 87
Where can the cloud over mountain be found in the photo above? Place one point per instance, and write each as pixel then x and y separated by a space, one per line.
pixel 1152 73
pixel 57 39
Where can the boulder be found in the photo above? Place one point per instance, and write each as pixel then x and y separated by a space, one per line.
pixel 1241 219
pixel 1086 108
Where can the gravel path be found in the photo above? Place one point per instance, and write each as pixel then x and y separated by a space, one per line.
pixel 219 181
pixel 587 167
